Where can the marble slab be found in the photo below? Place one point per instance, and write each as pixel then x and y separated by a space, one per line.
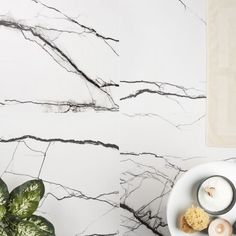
pixel 163 107
pixel 58 109
pixel 58 57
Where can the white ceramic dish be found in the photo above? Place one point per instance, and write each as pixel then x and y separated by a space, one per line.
pixel 183 194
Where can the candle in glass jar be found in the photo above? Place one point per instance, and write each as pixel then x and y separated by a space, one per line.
pixel 216 194
pixel 220 227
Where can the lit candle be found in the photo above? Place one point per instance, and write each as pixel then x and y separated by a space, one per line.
pixel 220 227
pixel 216 195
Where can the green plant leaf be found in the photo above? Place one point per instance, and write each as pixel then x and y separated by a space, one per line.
pixel 11 221
pixel 9 232
pixel 27 228
pixel 24 199
pixel 3 232
pixel 31 228
pixel 4 193
pixel 42 224
pixel 2 212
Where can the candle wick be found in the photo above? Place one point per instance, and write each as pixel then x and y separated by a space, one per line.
pixel 210 191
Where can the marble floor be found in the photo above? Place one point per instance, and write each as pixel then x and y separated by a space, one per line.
pixel 105 101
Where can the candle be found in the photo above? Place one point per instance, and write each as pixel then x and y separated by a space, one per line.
pixel 216 195
pixel 220 227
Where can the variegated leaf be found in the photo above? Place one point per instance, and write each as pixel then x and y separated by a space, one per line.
pixel 43 224
pixel 3 232
pixel 24 199
pixel 4 194
pixel 26 228
pixel 2 212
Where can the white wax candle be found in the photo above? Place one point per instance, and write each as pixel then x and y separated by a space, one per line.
pixel 220 227
pixel 215 194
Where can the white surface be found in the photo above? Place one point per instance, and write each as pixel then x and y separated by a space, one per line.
pixel 183 194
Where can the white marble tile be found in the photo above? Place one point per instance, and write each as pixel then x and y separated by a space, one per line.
pixel 56 58
pixel 59 109
pixel 81 179
pixel 163 108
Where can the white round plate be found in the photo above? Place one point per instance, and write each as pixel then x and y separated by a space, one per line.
pixel 183 194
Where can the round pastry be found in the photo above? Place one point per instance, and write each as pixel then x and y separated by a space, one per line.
pixel 197 218
pixel 220 227
pixel 183 225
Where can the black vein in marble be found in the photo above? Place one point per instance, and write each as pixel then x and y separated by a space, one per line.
pixel 162 172
pixel 56 53
pixel 33 31
pixel 186 7
pixel 178 126
pixel 87 29
pixel 173 92
pixel 44 158
pixel 107 84
pixel 48 140
pixel 64 106
pixel 162 90
pixel 160 85
pixel 148 215
pixel 140 219
pixel 150 91
pixel 57 191
pixel 69 192
pixel 111 234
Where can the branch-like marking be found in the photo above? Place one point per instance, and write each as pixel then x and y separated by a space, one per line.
pixel 142 91
pixel 112 234
pixel 133 179
pixel 149 214
pixel 59 52
pixel 43 161
pixel 143 222
pixel 71 192
pixel 73 141
pixel 161 90
pixel 185 6
pixel 69 106
pixel 194 13
pixel 89 29
pixel 177 126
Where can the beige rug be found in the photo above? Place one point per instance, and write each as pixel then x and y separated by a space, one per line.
pixel 221 46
